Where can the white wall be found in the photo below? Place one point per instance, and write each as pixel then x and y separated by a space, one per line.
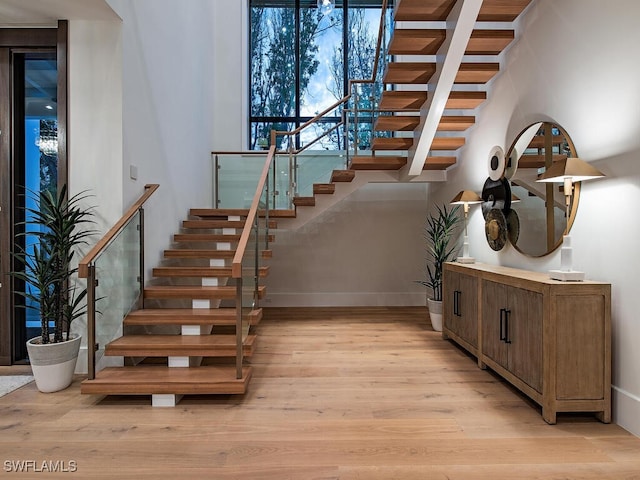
pixel 575 64
pixel 167 104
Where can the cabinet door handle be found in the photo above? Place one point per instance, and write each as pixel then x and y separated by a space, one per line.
pixel 502 324
pixel 456 303
pixel 507 317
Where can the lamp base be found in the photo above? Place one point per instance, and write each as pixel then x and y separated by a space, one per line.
pixel 466 260
pixel 567 275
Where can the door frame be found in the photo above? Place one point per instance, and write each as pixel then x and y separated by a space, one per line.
pixel 12 351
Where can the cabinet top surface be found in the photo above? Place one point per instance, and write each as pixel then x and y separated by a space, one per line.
pixel 539 277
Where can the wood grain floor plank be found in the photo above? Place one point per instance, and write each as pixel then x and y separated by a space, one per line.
pixel 338 393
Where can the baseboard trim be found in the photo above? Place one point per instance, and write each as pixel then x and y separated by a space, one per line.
pixel 626 410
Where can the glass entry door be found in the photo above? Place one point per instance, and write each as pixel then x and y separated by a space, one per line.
pixel 28 163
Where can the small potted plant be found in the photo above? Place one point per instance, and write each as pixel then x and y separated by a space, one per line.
pixel 56 229
pixel 439 231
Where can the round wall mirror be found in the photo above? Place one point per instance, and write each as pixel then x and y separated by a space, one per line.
pixel 542 223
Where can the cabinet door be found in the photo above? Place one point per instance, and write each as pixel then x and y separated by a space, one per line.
pixel 494 303
pixel 525 335
pixel 461 306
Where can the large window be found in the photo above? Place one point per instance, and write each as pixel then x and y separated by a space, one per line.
pixel 302 60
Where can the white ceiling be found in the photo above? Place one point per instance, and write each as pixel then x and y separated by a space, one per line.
pixel 21 13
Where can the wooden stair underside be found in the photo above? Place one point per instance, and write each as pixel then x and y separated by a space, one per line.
pixel 178 346
pixel 411 101
pixel 401 143
pixel 428 41
pixel 404 123
pixel 156 379
pixel 439 10
pixel 421 72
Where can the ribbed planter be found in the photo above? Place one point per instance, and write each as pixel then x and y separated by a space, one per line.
pixel 435 313
pixel 53 364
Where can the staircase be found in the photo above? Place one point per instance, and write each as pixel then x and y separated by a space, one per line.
pixel 183 341
pixel 409 80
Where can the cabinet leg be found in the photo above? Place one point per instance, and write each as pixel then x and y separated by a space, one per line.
pixel 604 416
pixel 549 416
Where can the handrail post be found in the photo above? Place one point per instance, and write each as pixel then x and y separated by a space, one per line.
pixel 141 272
pixel 91 322
pixel 239 329
pixel 216 181
pixel 256 261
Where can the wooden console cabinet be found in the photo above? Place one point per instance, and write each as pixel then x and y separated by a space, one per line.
pixel 550 339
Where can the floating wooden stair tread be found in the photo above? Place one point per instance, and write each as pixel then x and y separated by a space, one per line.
pixel 403 123
pixel 401 100
pixel 411 101
pixel 480 72
pixel 488 42
pixel 211 224
pixel 439 10
pixel 304 201
pixel 205 237
pixel 178 346
pixel 416 41
pixel 198 253
pixel 324 188
pixel 393 143
pixel 501 10
pixel 409 72
pixel 342 176
pixel 447 143
pixel 190 316
pixel 461 100
pixel 382 162
pixel 194 292
pixel 423 10
pixel 397 123
pixel 200 272
pixel 439 163
pixel 211 213
pixel 158 379
pixel 536 161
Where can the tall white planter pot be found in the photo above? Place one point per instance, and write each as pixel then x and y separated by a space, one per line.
pixel 435 313
pixel 53 364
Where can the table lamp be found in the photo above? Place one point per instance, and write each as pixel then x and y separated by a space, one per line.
pixel 567 171
pixel 466 198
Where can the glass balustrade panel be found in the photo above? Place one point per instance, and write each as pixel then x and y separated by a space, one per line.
pixel 236 179
pixel 117 271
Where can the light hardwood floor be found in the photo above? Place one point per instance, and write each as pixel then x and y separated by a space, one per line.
pixel 367 394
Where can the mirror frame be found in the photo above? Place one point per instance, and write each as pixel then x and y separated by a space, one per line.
pixel 576 187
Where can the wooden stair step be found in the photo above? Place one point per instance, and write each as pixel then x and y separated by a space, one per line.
pixel 178 346
pixel 478 72
pixel 409 72
pixel 342 175
pixel 190 316
pixel 400 100
pixel 324 188
pixel 382 162
pixel 160 379
pixel 211 213
pixel 212 224
pixel 198 253
pixel 411 41
pixel 397 123
pixel 447 143
pixel 393 143
pixel 304 201
pixel 439 163
pixel 423 10
pixel 194 292
pixel 462 100
pixel 205 237
pixel 456 123
pixel 439 10
pixel 200 272
pixel 488 42
pixel 501 11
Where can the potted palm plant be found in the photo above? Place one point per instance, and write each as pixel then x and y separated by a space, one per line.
pixel 54 229
pixel 439 231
